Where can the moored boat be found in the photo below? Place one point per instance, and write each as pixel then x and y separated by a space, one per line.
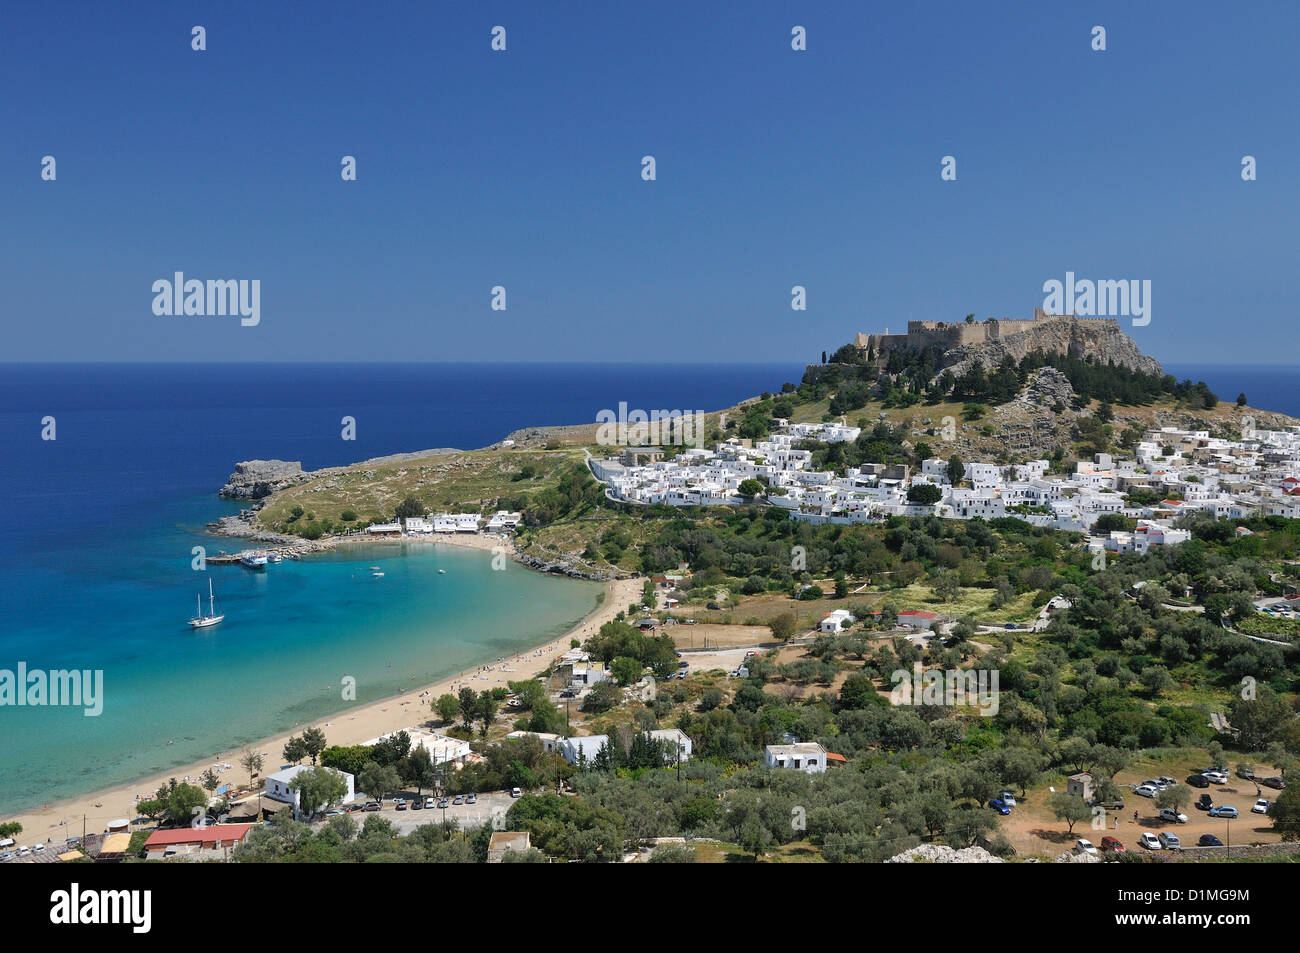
pixel 252 560
pixel 201 621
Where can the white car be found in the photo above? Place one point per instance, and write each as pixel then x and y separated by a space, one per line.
pixel 1169 814
pixel 430 802
pixel 1007 798
pixel 24 851
pixel 1261 806
pixel 38 848
pixel 1150 841
pixel 515 792
pixel 1084 846
pixel 1216 777
pixel 1145 790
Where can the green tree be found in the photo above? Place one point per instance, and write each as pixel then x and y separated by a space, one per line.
pixel 186 803
pixel 783 626
pixel 318 788
pixel 487 710
pixel 1069 808
pixel 295 749
pixel 602 698
pixel 251 762
pixel 1285 814
pixel 924 494
pixel 448 707
pixel 418 768
pixel 376 780
pixel 626 670
pixel 469 706
pixel 409 508
pixel 313 741
pixel 1176 796
pixel 749 488
pixel 956 470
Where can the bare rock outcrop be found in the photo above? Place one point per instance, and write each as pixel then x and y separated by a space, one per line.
pixel 942 854
pixel 1062 334
pixel 255 479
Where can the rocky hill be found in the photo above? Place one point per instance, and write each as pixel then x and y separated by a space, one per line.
pixel 1065 335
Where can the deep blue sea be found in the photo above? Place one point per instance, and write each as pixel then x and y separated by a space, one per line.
pixel 98 526
pixel 1266 386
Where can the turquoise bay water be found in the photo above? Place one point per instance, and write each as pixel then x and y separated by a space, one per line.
pixel 95 548
pixel 291 634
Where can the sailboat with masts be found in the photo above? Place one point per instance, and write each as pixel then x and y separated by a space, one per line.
pixel 201 621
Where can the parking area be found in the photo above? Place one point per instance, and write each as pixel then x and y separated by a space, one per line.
pixel 488 806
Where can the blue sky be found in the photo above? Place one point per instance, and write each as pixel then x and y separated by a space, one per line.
pixel 522 169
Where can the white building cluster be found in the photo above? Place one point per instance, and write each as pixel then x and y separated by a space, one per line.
pixel 1179 470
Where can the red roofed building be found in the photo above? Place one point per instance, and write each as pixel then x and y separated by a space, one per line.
pixel 835 760
pixel 191 840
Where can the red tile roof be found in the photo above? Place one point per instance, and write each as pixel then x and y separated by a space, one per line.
pixel 226 833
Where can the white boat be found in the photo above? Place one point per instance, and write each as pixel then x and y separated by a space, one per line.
pixel 251 560
pixel 201 621
pixel 376 574
pixel 442 572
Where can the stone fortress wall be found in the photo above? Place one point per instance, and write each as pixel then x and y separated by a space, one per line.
pixel 946 335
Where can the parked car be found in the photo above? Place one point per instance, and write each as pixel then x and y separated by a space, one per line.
pixel 334 812
pixel 1150 841
pixel 371 806
pixel 1209 840
pixel 1007 798
pixel 515 792
pixel 1169 814
pixel 1084 846
pixel 417 805
pixel 6 854
pixel 714 606
pixel 1216 777
pixel 1198 781
pixel 430 802
pixel 683 664
pixel 458 799
pixel 1261 806
pixel 1112 845
pixel 1166 781
pixel 1153 783
pixel 1223 810
pixel 1276 783
pixel 1170 841
pixel 1204 803
pixel 1145 790
pixel 401 805
pixel 442 803
pixel 24 851
pixel 1245 773
pixel 38 848
pixel 568 693
pixel 1000 806
pixel 471 798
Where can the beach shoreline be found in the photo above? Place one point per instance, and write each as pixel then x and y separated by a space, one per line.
pixel 349 726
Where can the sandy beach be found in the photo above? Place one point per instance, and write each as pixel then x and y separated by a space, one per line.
pixel 411 708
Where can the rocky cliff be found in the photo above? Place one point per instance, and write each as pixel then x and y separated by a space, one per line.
pixel 1066 335
pixel 255 479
